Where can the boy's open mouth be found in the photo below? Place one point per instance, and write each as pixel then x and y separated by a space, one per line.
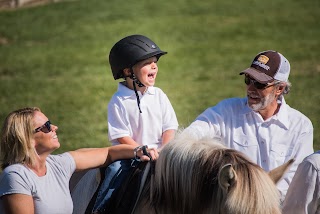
pixel 151 75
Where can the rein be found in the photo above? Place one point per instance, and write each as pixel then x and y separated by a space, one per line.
pixel 143 181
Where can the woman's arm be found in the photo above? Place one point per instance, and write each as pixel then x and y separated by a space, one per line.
pixel 96 157
pixel 17 204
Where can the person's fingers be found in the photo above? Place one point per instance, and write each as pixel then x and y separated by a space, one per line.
pixel 144 158
pixel 153 154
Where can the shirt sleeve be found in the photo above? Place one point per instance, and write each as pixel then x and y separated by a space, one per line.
pixel 118 124
pixel 68 162
pixel 12 182
pixel 62 165
pixel 303 193
pixel 170 120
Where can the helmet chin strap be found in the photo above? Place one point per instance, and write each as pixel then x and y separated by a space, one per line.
pixel 136 81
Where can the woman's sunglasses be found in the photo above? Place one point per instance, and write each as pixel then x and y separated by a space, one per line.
pixel 46 128
pixel 257 84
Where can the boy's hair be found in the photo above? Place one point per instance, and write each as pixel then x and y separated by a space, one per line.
pixel 130 50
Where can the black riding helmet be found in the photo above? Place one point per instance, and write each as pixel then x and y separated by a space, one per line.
pixel 127 52
pixel 130 50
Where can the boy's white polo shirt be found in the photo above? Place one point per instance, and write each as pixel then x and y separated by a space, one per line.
pixel 146 128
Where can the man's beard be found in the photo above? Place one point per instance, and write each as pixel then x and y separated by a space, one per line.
pixel 265 101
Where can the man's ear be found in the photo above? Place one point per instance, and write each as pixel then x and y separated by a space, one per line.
pixel 281 88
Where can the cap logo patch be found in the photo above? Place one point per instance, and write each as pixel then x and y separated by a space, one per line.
pixel 263 59
pixel 261 62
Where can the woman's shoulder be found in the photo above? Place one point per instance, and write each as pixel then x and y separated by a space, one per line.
pixel 16 174
pixel 62 161
pixel 15 168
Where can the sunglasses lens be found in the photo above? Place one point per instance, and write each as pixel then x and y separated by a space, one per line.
pixel 47 127
pixel 259 85
pixel 247 80
pixel 256 84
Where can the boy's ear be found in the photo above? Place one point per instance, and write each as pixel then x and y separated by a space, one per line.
pixel 127 72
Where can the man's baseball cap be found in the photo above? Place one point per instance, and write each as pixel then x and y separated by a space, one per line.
pixel 268 66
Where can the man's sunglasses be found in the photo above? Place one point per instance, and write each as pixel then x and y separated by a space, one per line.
pixel 46 128
pixel 257 84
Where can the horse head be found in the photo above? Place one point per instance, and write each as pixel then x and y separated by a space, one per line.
pixel 203 176
pixel 246 187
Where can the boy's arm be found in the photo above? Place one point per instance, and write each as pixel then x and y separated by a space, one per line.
pixel 167 136
pixel 127 140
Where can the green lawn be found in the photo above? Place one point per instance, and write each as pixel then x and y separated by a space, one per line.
pixel 56 56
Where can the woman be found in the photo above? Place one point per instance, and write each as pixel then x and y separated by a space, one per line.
pixel 33 180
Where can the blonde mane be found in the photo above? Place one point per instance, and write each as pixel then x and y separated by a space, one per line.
pixel 188 178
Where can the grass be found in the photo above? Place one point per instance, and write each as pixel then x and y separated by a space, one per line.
pixel 55 56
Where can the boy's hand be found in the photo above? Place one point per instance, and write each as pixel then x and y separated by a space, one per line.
pixel 139 153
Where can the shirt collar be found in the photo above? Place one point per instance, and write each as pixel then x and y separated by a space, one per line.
pixel 126 92
pixel 151 90
pixel 282 115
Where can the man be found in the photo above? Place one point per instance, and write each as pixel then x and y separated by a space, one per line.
pixel 261 125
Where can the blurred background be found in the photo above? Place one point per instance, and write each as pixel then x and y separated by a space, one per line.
pixel 55 56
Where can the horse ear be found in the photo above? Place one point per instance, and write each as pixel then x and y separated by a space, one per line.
pixel 277 173
pixel 227 177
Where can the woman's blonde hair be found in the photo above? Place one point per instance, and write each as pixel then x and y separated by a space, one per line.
pixel 17 138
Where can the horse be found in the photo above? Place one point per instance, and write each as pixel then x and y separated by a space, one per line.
pixel 204 176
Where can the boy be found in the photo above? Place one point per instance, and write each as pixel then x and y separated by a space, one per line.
pixel 138 113
pixel 152 121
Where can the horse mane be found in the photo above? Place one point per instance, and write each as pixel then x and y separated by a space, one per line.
pixel 186 180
